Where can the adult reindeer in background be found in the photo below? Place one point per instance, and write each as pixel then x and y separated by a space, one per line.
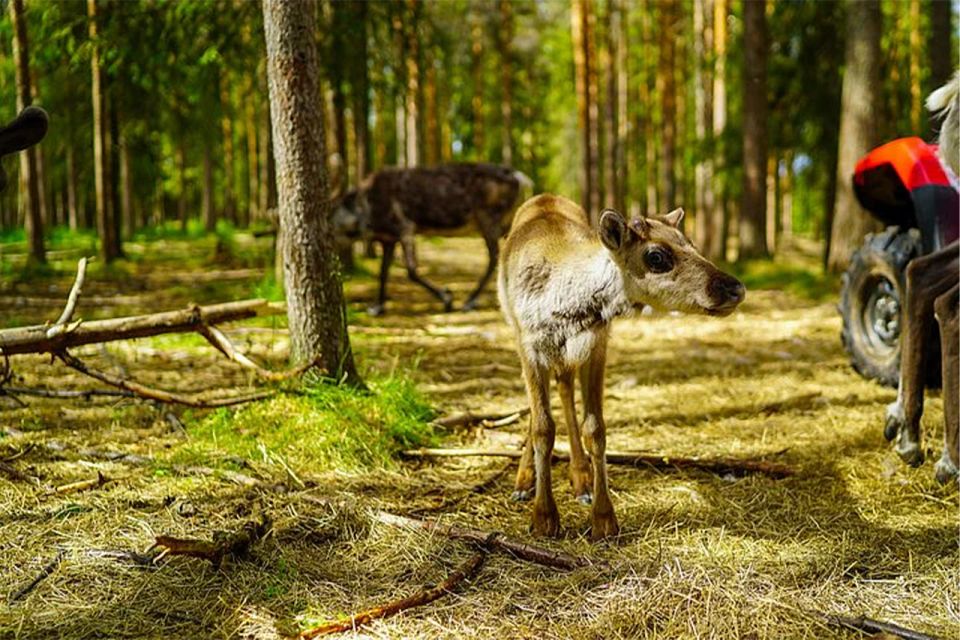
pixel 932 293
pixel 392 205
pixel 26 130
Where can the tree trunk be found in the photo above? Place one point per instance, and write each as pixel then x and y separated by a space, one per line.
pixel 623 139
pixel 29 178
pixel 229 166
pixel 106 226
pixel 858 126
pixel 584 51
pixel 703 90
pixel 412 60
pixel 315 305
pixel 182 206
pixel 360 94
pixel 476 74
pixel 668 104
pixel 504 44
pixel 206 207
pixel 253 163
pixel 753 210
pixel 717 247
pixel 73 213
pixel 608 63
pixel 915 51
pixel 649 164
pixel 126 187
pixel 939 46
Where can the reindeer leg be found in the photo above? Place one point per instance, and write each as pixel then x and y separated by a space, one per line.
pixel 603 520
pixel 580 475
pixel 491 235
pixel 524 487
pixel 947 308
pixel 546 518
pixel 388 248
pixel 410 258
pixel 927 277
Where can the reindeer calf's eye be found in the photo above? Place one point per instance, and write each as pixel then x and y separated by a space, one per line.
pixel 658 260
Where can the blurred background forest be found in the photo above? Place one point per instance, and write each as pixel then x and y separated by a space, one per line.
pixel 160 115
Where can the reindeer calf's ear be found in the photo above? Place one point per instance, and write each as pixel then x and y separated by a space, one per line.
pixel 612 229
pixel 674 217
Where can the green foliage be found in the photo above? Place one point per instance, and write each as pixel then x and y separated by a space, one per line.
pixel 322 426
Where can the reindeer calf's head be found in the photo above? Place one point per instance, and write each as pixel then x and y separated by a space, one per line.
pixel 351 216
pixel 661 268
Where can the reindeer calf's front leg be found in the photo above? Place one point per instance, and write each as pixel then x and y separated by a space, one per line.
pixel 947 312
pixel 546 518
pixel 603 520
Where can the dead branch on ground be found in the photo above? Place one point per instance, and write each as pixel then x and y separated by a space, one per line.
pixel 45 572
pixel 869 625
pixel 487 419
pixel 466 571
pixel 476 489
pixel 223 545
pixel 723 466
pixel 83 485
pixel 61 324
pixel 222 344
pixel 67 394
pixel 491 539
pixel 13 473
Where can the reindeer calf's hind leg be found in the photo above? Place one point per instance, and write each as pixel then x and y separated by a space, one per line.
pixel 546 518
pixel 947 308
pixel 580 475
pixel 523 488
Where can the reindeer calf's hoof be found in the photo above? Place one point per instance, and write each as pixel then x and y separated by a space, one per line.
pixel 603 526
pixel 546 522
pixel 895 420
pixel 470 305
pixel 522 495
pixel 586 499
pixel 375 310
pixel 945 471
pixel 910 453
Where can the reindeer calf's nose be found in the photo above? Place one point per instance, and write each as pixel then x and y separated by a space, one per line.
pixel 727 290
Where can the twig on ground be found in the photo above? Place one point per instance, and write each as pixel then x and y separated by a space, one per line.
pixel 479 488
pixel 83 485
pixel 868 625
pixel 723 466
pixel 45 572
pixel 234 544
pixel 493 419
pixel 141 559
pixel 60 326
pixel 15 474
pixel 492 539
pixel 222 343
pixel 159 395
pixel 68 393
pixel 425 596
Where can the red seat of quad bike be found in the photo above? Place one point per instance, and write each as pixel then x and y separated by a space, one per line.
pixel 904 183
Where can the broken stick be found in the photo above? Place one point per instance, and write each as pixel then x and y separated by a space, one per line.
pixel 869 625
pixel 223 545
pixel 492 540
pixel 45 572
pixel 492 419
pixel 83 485
pixel 464 572
pixel 723 466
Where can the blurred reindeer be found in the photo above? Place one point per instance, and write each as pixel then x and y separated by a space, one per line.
pixel 392 205
pixel 26 130
pixel 932 292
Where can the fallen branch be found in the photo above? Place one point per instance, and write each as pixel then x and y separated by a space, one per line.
pixel 60 326
pixel 15 474
pixel 468 419
pixel 67 393
pixel 492 540
pixel 868 625
pixel 34 339
pixel 223 545
pixel 222 344
pixel 45 572
pixel 158 395
pixel 723 466
pixel 464 572
pixel 82 485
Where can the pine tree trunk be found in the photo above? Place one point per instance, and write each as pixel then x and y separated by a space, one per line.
pixel 315 304
pixel 106 227
pixel 584 51
pixel 753 210
pixel 73 213
pixel 126 186
pixel 476 74
pixel 646 126
pixel 858 126
pixel 361 97
pixel 719 221
pixel 623 140
pixel 412 101
pixel 182 206
pixel 504 41
pixel 608 64
pixel 206 206
pixel 915 50
pixel 939 46
pixel 229 166
pixel 668 104
pixel 253 164
pixel 29 178
pixel 703 89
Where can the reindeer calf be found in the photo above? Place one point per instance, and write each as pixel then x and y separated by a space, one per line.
pixel 561 284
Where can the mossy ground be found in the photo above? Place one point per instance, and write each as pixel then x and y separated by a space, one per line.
pixel 700 556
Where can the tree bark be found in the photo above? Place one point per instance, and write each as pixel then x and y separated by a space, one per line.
pixel 229 166
pixel 361 94
pixel 858 126
pixel 315 304
pixel 206 206
pixel 753 210
pixel 622 141
pixel 939 45
pixel 703 97
pixel 126 187
pixel 30 186
pixel 505 43
pixel 716 249
pixel 584 52
pixel 110 248
pixel 608 63
pixel 412 61
pixel 476 74
pixel 182 207
pixel 668 104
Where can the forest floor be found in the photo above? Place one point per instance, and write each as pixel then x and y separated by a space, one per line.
pixel 700 555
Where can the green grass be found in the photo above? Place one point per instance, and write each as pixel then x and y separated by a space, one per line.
pixel 325 427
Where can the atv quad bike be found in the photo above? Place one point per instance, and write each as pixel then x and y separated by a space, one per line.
pixel 904 185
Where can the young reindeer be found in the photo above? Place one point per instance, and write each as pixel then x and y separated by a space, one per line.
pixel 561 284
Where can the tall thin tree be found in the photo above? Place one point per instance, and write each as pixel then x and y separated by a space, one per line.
pixel 753 209
pixel 30 187
pixel 858 126
pixel 315 304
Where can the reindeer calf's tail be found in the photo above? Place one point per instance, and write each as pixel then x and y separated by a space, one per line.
pixel 523 179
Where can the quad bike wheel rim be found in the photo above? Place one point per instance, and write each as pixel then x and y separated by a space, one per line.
pixel 880 316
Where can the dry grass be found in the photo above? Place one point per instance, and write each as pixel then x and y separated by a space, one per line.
pixel 700 556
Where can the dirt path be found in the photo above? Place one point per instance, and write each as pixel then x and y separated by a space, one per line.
pixel 700 556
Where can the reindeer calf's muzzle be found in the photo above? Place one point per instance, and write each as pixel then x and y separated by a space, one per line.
pixel 726 292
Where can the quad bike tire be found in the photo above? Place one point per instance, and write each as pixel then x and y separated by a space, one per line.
pixel 871 304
